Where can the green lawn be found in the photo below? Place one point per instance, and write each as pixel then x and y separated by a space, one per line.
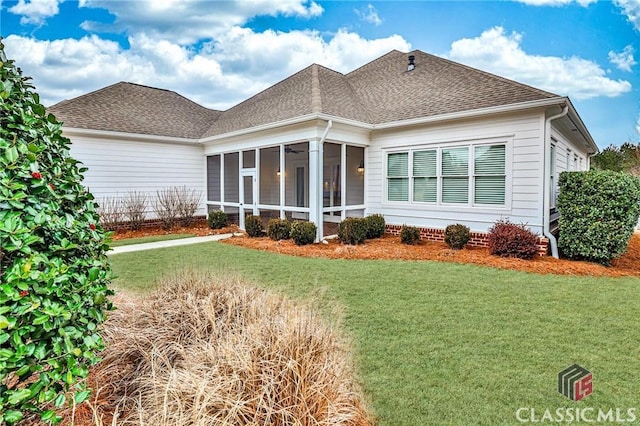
pixel 150 239
pixel 438 343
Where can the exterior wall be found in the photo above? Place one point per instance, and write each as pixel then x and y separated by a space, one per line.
pixel 523 134
pixel 118 166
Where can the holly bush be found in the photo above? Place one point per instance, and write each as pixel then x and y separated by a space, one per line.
pixel 54 272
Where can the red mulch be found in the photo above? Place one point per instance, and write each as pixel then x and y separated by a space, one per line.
pixel 389 247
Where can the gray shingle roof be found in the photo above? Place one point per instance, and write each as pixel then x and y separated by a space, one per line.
pixel 379 92
pixel 133 108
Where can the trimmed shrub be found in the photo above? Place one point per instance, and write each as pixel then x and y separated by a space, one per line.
pixel 352 230
pixel 54 269
pixel 217 219
pixel 375 226
pixel 598 213
pixel 253 225
pixel 457 236
pixel 279 229
pixel 303 233
pixel 508 239
pixel 409 234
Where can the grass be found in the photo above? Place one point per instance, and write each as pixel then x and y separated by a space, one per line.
pixel 149 239
pixel 439 343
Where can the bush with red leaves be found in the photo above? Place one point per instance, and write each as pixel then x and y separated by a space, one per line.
pixel 508 239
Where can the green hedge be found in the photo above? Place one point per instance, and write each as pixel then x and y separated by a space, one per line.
pixel 598 213
pixel 54 271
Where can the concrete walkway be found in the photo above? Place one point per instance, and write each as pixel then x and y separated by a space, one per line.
pixel 168 243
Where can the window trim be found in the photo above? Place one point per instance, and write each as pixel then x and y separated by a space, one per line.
pixel 506 141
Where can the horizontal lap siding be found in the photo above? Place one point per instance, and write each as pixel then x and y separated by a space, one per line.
pixel 116 168
pixel 525 133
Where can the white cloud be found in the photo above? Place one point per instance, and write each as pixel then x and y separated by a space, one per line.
pixel 623 60
pixel 583 3
pixel 501 53
pixel 188 21
pixel 35 11
pixel 224 72
pixel 369 14
pixel 631 8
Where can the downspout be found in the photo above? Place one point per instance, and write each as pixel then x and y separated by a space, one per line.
pixel 319 151
pixel 546 206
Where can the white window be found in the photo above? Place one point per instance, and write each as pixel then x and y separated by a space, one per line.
pixel 398 176
pixel 465 175
pixel 425 176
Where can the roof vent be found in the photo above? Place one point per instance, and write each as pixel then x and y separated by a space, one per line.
pixel 412 64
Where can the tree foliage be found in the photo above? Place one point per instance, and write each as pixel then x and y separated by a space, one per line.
pixel 54 272
pixel 625 158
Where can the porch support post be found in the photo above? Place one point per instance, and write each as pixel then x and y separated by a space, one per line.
pixel 315 185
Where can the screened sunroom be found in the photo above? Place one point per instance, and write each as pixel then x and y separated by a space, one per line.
pixel 310 181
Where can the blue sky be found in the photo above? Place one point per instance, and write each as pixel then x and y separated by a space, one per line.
pixel 220 53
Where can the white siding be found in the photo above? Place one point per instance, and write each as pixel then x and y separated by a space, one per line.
pixel 523 134
pixel 116 167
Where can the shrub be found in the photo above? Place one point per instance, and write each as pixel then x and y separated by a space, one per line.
pixel 54 271
pixel 375 225
pixel 352 230
pixel 217 219
pixel 508 239
pixel 303 233
pixel 277 361
pixel 188 200
pixel 135 209
pixel 598 213
pixel 253 225
pixel 111 213
pixel 457 236
pixel 409 234
pixel 279 229
pixel 166 206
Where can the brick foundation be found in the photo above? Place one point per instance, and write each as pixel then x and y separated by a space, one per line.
pixel 478 239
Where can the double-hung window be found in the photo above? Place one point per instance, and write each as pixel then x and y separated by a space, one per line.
pixel 398 176
pixel 472 175
pixel 489 174
pixel 425 176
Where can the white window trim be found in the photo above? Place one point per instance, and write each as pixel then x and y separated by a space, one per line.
pixel 507 141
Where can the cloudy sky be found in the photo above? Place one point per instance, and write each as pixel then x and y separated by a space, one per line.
pixel 219 53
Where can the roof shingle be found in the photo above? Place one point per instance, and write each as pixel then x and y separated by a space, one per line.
pixel 381 91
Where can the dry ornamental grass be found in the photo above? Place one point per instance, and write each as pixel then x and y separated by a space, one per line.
pixel 213 351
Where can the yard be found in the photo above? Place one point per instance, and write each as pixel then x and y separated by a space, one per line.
pixel 445 343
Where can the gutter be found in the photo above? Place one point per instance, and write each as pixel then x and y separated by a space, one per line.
pixel 546 189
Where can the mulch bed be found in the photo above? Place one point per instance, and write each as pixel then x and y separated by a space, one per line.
pixel 389 247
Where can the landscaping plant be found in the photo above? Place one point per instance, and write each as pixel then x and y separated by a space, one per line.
pixel 188 200
pixel 217 219
pixel 375 226
pixel 508 239
pixel 409 234
pixel 598 214
pixel 253 225
pixel 135 209
pixel 303 233
pixel 457 236
pixel 54 273
pixel 279 229
pixel 166 206
pixel 352 230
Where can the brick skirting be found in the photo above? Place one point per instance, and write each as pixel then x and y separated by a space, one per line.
pixel 478 239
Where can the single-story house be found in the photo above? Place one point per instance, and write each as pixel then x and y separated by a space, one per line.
pixel 420 139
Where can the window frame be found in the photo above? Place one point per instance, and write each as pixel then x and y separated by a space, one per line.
pixel 439 147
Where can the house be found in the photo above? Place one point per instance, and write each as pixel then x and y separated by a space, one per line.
pixel 420 139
